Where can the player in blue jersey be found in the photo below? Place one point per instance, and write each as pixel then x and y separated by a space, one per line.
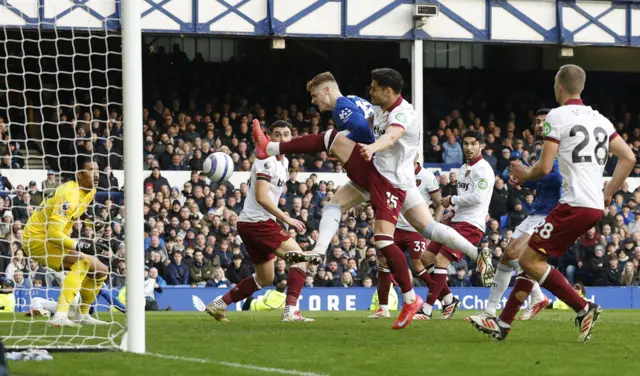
pixel 353 115
pixel 548 192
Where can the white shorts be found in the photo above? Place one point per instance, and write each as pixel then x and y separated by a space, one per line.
pixel 412 199
pixel 528 226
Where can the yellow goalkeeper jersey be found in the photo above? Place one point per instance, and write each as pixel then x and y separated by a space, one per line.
pixel 62 208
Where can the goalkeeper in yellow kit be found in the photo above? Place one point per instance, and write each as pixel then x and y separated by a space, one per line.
pixel 46 239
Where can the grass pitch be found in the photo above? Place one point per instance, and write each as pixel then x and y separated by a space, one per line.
pixel 348 343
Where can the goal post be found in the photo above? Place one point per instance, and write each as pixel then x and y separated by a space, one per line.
pixel 134 177
pixel 71 84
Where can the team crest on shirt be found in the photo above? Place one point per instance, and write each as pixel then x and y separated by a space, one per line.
pixel 64 208
pixel 418 182
pixel 267 166
pixel 345 114
pixel 466 174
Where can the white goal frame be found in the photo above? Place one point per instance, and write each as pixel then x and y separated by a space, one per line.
pixel 134 172
pixel 133 339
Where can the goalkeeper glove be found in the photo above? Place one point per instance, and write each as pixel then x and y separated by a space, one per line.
pixel 91 247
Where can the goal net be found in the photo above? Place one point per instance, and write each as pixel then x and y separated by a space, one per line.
pixel 60 96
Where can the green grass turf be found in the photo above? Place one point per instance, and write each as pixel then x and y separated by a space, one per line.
pixel 347 343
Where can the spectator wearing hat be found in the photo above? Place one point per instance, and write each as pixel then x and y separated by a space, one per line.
pixel 516 216
pixel 178 272
pixel 238 270
pixel 36 196
pixel 50 184
pixel 149 160
pixel 488 155
pixel 595 267
pixel 499 200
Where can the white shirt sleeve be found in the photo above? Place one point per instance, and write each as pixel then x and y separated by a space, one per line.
pixel 264 168
pixel 552 129
pixel 430 181
pixel 481 189
pixel 400 117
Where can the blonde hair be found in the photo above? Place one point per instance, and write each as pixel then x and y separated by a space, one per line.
pixel 320 79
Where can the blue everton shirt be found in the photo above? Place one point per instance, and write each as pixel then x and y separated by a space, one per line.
pixel 351 114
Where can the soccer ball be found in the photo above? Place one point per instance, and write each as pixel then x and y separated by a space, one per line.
pixel 218 167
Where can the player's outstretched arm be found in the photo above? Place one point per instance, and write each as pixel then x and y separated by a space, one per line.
pixel 626 162
pixel 541 168
pixel 390 137
pixel 553 179
pixel 262 197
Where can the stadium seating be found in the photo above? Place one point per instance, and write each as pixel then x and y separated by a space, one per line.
pixel 220 120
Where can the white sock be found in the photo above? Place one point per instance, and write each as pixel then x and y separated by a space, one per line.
pixel 536 293
pixel 329 225
pixel 448 299
pixel 498 287
pixel 515 264
pixel 289 310
pixel 503 324
pixel 221 302
pixel 427 309
pixel 409 296
pixel 446 235
pixel 273 148
pixel 584 310
pixel 384 308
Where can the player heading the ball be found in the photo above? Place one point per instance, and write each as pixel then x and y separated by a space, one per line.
pixel 386 179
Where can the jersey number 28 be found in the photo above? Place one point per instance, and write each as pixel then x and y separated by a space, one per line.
pixel 602 146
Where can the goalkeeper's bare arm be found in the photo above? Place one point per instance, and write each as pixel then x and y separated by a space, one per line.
pixel 46 239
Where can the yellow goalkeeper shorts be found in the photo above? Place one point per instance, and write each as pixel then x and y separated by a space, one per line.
pixel 46 253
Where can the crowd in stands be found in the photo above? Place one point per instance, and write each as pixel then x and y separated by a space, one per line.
pixel 190 230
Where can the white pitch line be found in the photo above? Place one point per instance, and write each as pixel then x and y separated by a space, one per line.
pixel 237 365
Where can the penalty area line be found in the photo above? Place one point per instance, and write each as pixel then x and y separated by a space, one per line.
pixel 281 371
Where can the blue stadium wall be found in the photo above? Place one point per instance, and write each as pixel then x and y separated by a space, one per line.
pixel 346 299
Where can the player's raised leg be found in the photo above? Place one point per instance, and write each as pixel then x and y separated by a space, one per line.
pixel 508 263
pixel 348 196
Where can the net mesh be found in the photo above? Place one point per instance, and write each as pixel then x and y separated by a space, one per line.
pixel 60 96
